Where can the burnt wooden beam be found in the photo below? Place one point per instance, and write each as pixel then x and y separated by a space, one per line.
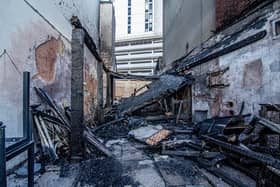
pixel 205 154
pixel 92 140
pixel 77 92
pixel 181 153
pixel 213 52
pixel 48 100
pixel 134 77
pixel 269 124
pixel 87 38
pixel 265 159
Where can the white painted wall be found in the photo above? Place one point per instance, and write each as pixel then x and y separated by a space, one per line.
pixel 25 25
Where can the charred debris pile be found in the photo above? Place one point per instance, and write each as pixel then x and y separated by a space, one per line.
pixel 156 119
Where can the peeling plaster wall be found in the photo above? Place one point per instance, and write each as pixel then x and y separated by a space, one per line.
pixel 86 10
pixel 37 35
pixel 253 77
pixel 90 85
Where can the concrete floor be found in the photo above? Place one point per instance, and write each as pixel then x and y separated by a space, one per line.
pixel 143 168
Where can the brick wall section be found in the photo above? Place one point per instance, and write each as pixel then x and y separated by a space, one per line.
pixel 229 10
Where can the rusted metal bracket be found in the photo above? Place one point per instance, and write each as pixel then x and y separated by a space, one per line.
pixel 218 72
pixel 214 79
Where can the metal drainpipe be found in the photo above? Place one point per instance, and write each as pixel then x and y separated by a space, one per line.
pixel 3 180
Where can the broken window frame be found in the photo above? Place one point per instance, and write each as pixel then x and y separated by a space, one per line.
pixel 276 28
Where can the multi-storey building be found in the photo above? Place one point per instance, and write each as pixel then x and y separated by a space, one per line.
pixel 138 35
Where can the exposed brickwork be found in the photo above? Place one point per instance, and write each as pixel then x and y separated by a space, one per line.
pixel 46 55
pixel 229 10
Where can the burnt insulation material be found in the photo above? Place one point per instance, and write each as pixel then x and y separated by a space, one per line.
pixel 104 172
pixel 164 87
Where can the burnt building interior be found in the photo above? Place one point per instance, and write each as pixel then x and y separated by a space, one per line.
pixel 209 118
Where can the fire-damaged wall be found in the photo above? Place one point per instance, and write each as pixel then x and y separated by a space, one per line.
pixel 107 45
pixel 238 66
pixel 36 37
pixel 228 11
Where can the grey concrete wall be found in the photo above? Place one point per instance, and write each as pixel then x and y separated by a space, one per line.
pixel 107 39
pixel 186 22
pixel 253 77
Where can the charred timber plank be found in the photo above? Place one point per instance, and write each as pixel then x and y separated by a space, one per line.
pixel 159 118
pixel 96 143
pixel 46 98
pixel 269 124
pixel 205 154
pixel 134 77
pixel 266 159
pixel 159 89
pixel 206 56
pixel 175 144
pixel 187 131
pixel 107 124
pixel 226 176
pixel 182 153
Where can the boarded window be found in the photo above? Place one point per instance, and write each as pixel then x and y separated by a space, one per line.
pixel 252 76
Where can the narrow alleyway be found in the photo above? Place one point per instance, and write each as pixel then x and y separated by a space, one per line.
pixel 193 100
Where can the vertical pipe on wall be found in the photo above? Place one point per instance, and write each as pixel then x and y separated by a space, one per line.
pixel 26 99
pixel 28 127
pixel 99 112
pixel 3 181
pixel 30 152
pixel 109 90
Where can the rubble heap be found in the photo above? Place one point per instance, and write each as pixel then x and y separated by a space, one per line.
pixel 244 143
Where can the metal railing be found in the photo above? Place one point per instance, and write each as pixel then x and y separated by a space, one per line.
pixel 25 144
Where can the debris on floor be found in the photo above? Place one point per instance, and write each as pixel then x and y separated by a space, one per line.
pixel 156 148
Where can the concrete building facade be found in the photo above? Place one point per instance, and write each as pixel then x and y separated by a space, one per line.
pixel 138 35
